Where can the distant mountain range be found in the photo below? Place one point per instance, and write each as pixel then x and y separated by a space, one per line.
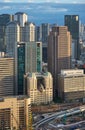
pixel 44 12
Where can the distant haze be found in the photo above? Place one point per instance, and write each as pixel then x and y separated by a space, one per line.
pixel 45 12
pixel 39 1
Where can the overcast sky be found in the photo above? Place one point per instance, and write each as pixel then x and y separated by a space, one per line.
pixel 39 1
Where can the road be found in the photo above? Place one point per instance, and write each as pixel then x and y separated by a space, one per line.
pixel 57 115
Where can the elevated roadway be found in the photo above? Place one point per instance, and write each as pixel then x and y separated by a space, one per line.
pixel 57 115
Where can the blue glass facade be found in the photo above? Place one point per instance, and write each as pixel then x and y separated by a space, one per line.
pixel 21 67
pixel 39 58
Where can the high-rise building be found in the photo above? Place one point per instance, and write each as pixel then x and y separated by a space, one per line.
pixel 29 32
pixel 39 87
pixel 21 18
pixel 15 113
pixel 16 33
pixel 20 66
pixel 42 33
pixel 28 59
pixel 34 57
pixel 12 37
pixel 74 45
pixel 72 22
pixel 59 52
pixel 7 77
pixel 45 30
pixel 4 19
pixel 38 33
pixel 71 85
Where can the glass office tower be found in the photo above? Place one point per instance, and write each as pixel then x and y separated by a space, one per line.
pixel 72 22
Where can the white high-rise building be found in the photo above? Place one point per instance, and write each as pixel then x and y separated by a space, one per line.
pixel 15 34
pixel 21 18
pixel 29 32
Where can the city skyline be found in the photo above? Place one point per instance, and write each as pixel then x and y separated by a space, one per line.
pixel 41 1
pixel 42 64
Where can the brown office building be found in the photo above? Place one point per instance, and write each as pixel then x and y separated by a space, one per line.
pixel 59 52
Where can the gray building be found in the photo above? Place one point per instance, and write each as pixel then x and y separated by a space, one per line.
pixel 72 22
pixel 4 19
pixel 12 37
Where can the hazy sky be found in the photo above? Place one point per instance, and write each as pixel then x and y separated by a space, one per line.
pixel 38 1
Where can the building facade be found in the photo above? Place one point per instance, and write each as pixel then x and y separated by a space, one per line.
pixel 72 22
pixel 12 37
pixel 28 59
pixel 18 30
pixel 7 76
pixel 39 87
pixel 21 18
pixel 38 33
pixel 59 53
pixel 20 66
pixel 28 32
pixel 34 57
pixel 72 85
pixel 15 113
pixel 4 19
pixel 45 30
pixel 41 34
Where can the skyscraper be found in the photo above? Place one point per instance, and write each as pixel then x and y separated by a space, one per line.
pixel 4 19
pixel 20 66
pixel 59 52
pixel 72 22
pixel 34 57
pixel 12 37
pixel 29 32
pixel 28 59
pixel 7 83
pixel 18 30
pixel 41 34
pixel 38 33
pixel 45 30
pixel 21 18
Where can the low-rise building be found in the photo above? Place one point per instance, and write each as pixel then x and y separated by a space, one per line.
pixel 39 87
pixel 71 85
